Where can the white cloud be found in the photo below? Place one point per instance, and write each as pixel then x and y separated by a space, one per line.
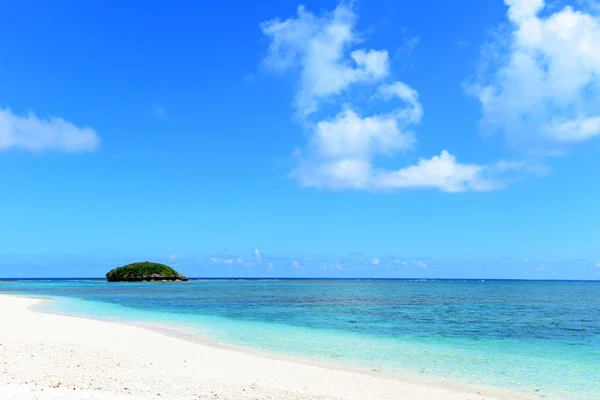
pixel 172 257
pixel 296 264
pixel 215 260
pixel 374 261
pixel 239 261
pixel 228 261
pixel 318 46
pixel 270 265
pixel 598 265
pixel 543 88
pixel 34 134
pixel 541 267
pixel 413 111
pixel 159 110
pixel 441 172
pixel 257 255
pixel 419 263
pixel 409 43
pixel 574 130
pixel 331 266
pixel 343 150
pixel 350 136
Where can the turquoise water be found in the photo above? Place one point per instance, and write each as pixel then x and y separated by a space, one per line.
pixel 538 338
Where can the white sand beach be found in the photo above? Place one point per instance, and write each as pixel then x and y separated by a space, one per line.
pixel 46 356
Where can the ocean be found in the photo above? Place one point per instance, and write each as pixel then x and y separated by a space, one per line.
pixel 531 337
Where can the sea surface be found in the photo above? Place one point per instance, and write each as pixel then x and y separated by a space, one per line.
pixel 531 337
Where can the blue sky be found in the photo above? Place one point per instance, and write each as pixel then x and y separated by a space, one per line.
pixel 423 139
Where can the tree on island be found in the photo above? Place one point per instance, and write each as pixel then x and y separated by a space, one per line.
pixel 144 272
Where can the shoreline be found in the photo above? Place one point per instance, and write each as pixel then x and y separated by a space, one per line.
pixel 180 334
pixel 383 385
pixel 195 338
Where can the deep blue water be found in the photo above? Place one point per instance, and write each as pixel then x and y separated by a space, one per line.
pixel 541 338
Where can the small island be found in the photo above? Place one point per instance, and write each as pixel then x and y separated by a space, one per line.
pixel 144 272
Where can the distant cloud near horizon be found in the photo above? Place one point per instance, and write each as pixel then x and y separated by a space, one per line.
pixel 297 265
pixel 539 268
pixel 349 266
pixel 31 133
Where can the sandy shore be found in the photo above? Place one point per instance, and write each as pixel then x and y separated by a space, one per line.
pixel 45 356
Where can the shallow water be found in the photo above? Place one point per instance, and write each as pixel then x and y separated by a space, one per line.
pixel 540 338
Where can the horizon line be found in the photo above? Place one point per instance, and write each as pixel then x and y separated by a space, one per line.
pixel 309 278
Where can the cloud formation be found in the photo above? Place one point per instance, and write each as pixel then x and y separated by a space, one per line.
pixel 540 87
pixel 392 265
pixel 37 135
pixel 344 148
pixel 316 47
pixel 257 256
pixel 442 172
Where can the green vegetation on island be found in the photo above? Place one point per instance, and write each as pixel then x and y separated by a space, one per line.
pixel 144 272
